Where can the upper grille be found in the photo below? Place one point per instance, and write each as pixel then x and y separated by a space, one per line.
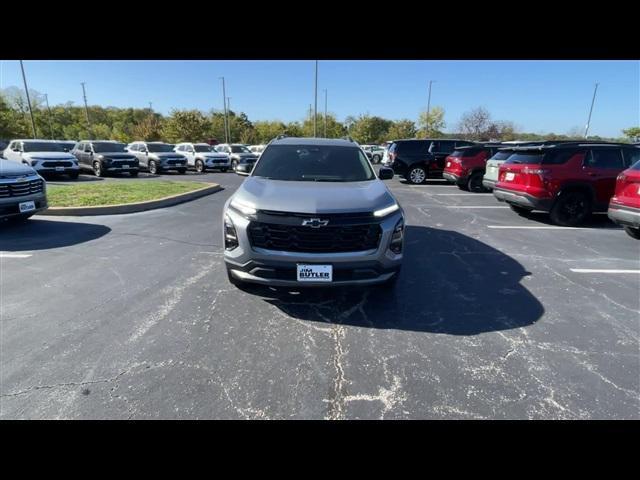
pixel 21 188
pixel 329 239
pixel 58 163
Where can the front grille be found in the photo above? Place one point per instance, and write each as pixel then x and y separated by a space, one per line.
pixel 120 163
pixel 21 189
pixel 176 162
pixel 329 239
pixel 56 164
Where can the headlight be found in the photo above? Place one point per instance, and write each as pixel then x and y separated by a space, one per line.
pixel 243 207
pixel 383 212
pixel 397 237
pixel 230 234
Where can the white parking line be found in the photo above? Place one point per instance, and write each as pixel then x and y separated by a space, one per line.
pixel 541 227
pixel 460 194
pixel 602 270
pixel 14 255
pixel 475 206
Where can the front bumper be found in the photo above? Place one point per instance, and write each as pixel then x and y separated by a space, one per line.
pixel 173 166
pixel 278 268
pixel 245 167
pixel 9 206
pixel 218 164
pixel 522 199
pixel 623 215
pixel 60 170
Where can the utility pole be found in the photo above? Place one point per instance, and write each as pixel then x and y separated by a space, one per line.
pixel 315 110
pixel 593 100
pixel 224 103
pixel 46 99
pixel 325 113
pixel 151 106
pixel 429 109
pixel 229 121
pixel 86 110
pixel 26 90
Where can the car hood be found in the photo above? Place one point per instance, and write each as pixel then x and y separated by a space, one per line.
pixel 48 155
pixel 314 197
pixel 117 156
pixel 245 156
pixel 14 169
pixel 214 155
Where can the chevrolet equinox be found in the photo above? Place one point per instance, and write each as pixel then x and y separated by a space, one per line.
pixel 313 212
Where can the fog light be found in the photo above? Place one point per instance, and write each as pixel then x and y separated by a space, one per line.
pixel 397 237
pixel 230 235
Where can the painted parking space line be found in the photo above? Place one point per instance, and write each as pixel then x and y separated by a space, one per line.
pixel 537 227
pixel 475 206
pixel 14 255
pixel 602 270
pixel 460 194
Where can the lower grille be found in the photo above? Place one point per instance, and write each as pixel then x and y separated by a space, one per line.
pixel 56 164
pixel 20 189
pixel 329 239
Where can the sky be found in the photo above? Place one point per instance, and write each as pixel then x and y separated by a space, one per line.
pixel 538 96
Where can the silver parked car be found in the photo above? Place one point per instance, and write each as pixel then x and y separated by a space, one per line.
pixel 158 157
pixel 45 156
pixel 313 213
pixel 202 157
pixel 23 192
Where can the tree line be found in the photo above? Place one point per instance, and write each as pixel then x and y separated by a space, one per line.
pixel 69 122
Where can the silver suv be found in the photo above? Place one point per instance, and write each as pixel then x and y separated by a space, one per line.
pixel 22 191
pixel 158 157
pixel 313 213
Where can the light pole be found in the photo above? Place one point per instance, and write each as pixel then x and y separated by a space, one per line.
pixel 86 110
pixel 593 100
pixel 46 99
pixel 229 120
pixel 224 103
pixel 325 113
pixel 26 90
pixel 315 109
pixel 429 109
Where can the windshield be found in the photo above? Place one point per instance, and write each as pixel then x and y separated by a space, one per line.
pixel 202 148
pixel 102 147
pixel 314 164
pixel 239 149
pixel 160 147
pixel 42 147
pixel 526 157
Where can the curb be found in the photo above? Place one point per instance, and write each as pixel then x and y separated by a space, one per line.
pixel 134 207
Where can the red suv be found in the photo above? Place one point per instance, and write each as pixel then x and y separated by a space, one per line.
pixel 465 166
pixel 624 208
pixel 570 180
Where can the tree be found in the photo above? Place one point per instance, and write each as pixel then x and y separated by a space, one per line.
pixel 433 124
pixel 149 129
pixel 367 129
pixel 186 126
pixel 401 129
pixel 632 133
pixel 500 131
pixel 474 123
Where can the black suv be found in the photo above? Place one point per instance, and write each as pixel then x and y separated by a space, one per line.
pixel 417 160
pixel 105 156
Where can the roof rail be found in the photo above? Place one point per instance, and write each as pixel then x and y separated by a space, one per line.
pixel 348 138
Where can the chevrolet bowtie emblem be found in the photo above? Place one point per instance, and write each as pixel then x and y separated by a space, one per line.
pixel 314 223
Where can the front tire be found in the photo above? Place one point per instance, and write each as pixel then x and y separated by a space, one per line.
pixel 234 165
pixel 199 166
pixel 153 167
pixel 224 170
pixel 97 169
pixel 376 159
pixel 416 175
pixel 633 232
pixel 571 209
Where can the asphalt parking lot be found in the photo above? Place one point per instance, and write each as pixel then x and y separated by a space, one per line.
pixel 495 316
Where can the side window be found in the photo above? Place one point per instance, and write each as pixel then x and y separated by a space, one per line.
pixel 180 148
pixel 559 157
pixel 87 147
pixel 412 148
pixel 444 147
pixel 631 156
pixel 133 147
pixel 605 158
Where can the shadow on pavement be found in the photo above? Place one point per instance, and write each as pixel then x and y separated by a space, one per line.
pixel 37 234
pixel 450 283
pixel 594 221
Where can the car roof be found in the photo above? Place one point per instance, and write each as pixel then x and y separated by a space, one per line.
pixel 102 141
pixel 431 140
pixel 336 142
pixel 34 140
pixel 551 144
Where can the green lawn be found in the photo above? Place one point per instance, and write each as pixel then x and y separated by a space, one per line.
pixel 93 194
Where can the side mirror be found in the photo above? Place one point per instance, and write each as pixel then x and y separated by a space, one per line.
pixel 386 173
